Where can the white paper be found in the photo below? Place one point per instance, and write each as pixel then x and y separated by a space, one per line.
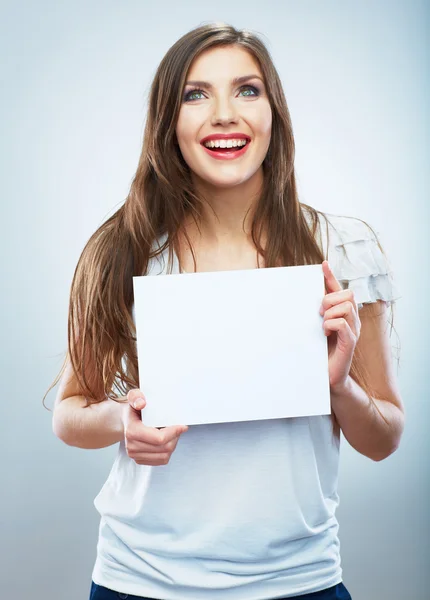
pixel 231 345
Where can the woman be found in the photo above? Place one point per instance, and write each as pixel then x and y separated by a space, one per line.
pixel 232 510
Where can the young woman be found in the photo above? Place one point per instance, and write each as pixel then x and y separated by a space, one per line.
pixel 232 511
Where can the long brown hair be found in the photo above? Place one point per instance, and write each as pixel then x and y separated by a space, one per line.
pixel 101 332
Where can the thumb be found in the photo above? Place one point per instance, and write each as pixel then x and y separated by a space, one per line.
pixel 133 409
pixel 136 406
pixel 136 399
pixel 137 403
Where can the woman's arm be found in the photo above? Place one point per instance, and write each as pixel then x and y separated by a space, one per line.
pixel 94 426
pixel 372 433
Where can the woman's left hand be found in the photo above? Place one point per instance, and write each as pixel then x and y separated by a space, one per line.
pixel 342 325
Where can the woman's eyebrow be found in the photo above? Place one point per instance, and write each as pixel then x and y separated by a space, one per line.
pixel 235 81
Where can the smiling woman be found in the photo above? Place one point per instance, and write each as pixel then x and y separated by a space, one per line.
pixel 242 510
pixel 212 110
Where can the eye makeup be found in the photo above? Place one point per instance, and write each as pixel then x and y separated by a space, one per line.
pixel 188 93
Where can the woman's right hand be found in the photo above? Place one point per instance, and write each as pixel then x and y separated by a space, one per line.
pixel 147 445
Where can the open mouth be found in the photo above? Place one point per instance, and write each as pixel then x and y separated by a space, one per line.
pixel 227 152
pixel 227 149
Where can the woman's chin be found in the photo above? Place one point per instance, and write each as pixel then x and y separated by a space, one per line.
pixel 225 180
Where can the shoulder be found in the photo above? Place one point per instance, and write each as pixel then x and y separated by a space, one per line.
pixel 355 252
pixel 337 230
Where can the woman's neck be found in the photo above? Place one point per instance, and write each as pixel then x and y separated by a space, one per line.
pixel 221 240
pixel 227 213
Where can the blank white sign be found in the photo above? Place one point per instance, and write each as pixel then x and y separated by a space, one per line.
pixel 231 345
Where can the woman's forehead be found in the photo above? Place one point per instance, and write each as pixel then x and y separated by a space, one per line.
pixel 227 60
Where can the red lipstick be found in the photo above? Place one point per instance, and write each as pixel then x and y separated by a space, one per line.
pixel 230 153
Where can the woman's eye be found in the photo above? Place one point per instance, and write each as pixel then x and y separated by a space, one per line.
pixel 189 95
pixel 249 88
pixel 252 88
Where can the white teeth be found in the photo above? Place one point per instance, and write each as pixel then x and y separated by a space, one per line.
pixel 225 143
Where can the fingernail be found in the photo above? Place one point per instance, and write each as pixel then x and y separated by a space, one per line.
pixel 139 403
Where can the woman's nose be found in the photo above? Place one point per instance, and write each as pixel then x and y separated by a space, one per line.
pixel 224 113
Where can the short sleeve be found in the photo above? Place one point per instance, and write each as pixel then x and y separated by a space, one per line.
pixel 358 262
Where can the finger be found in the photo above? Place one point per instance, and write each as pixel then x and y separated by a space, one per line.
pixel 144 448
pixel 130 417
pixel 330 282
pixel 334 298
pixel 345 336
pixel 136 399
pixel 347 311
pixel 134 407
pixel 156 437
pixel 153 460
pixel 133 415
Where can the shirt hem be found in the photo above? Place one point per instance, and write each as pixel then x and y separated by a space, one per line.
pixel 270 589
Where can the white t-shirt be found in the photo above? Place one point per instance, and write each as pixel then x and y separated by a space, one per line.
pixel 243 511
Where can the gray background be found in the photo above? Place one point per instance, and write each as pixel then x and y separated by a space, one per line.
pixel 75 77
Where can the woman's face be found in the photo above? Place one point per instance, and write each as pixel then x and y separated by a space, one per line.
pixel 217 105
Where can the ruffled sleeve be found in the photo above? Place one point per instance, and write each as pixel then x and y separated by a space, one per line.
pixel 358 262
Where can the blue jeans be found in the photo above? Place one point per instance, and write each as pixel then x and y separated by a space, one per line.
pixel 337 592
